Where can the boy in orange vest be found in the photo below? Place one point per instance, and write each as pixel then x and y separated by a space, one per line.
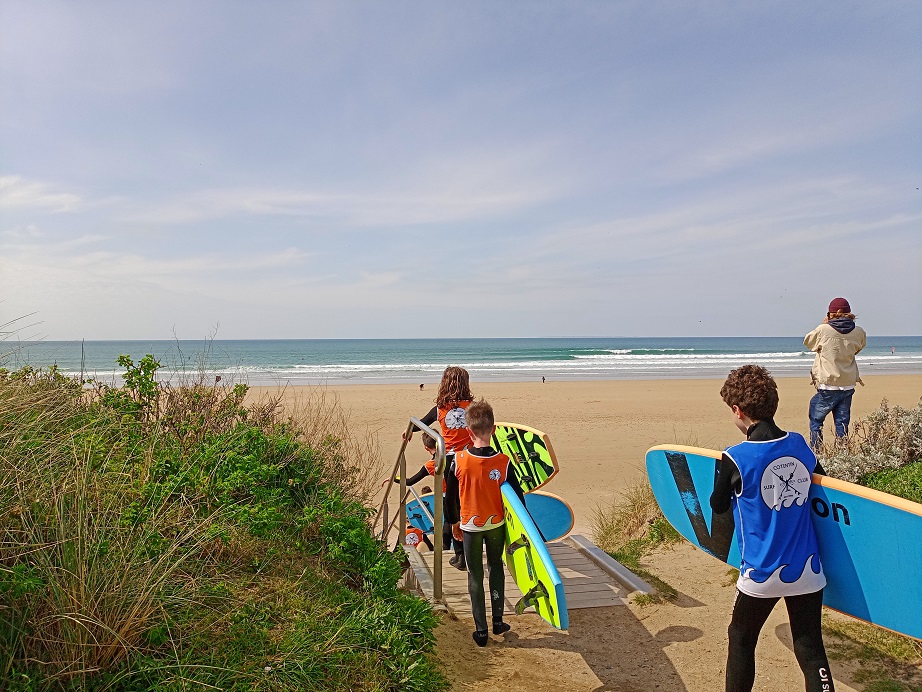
pixel 480 471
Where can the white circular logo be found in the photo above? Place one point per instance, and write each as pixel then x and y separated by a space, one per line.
pixel 412 539
pixel 455 419
pixel 784 482
pixel 494 475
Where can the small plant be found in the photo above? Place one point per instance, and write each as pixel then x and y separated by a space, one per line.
pixel 888 438
pixel 140 394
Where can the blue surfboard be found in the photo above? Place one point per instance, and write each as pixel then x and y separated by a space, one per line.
pixel 870 542
pixel 552 516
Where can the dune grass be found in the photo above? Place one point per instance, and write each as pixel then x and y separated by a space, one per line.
pixel 180 539
pixel 630 528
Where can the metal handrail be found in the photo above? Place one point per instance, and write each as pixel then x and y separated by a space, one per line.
pixel 400 465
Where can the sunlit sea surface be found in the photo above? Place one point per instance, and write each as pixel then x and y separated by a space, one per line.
pixel 366 361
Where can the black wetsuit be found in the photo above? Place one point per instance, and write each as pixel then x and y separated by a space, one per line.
pixel 448 541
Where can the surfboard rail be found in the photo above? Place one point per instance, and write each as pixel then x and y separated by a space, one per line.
pixel 531 565
pixel 825 481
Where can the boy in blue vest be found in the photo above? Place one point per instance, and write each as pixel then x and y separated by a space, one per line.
pixel 766 480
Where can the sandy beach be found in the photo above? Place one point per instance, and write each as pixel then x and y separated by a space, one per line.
pixel 601 430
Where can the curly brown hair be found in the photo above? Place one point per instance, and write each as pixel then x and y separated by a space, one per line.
pixel 754 390
pixel 454 387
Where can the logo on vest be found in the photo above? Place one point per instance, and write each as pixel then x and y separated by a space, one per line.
pixel 494 475
pixel 784 482
pixel 455 419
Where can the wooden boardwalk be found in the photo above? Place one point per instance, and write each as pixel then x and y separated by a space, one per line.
pixel 585 584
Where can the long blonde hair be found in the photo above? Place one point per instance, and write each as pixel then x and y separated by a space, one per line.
pixel 454 387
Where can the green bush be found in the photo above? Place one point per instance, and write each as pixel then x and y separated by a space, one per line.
pixel 888 438
pixel 174 538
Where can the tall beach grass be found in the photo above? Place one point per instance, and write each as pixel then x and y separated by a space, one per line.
pixel 183 538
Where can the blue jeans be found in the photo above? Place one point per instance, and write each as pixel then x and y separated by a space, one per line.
pixel 839 402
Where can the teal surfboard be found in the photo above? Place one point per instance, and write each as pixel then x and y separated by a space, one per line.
pixel 533 459
pixel 552 516
pixel 870 542
pixel 531 565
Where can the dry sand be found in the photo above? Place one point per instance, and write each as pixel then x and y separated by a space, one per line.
pixel 601 430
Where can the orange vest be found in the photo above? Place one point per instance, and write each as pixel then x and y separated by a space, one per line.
pixel 430 467
pixel 479 479
pixel 454 426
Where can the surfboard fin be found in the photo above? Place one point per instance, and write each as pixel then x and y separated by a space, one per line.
pixel 515 545
pixel 531 599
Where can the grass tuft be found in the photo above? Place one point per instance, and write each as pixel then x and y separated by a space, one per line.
pixel 630 528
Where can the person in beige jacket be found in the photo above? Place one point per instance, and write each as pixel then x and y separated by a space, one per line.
pixel 835 372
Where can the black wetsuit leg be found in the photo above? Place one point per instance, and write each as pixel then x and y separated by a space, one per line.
pixel 473 555
pixel 805 614
pixel 451 507
pixel 750 614
pixel 495 540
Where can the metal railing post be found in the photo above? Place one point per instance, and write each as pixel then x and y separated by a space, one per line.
pixel 400 466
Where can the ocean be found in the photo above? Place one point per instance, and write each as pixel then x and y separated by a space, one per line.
pixel 367 361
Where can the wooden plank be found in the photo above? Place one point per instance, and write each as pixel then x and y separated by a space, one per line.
pixel 586 584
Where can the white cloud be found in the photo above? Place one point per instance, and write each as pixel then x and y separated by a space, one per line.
pixel 17 193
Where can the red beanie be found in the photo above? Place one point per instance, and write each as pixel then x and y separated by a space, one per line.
pixel 839 305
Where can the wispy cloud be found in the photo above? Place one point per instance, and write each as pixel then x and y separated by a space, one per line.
pixel 18 193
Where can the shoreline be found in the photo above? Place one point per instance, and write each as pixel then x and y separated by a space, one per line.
pixel 600 429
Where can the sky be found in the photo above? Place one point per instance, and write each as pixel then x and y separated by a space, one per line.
pixel 249 170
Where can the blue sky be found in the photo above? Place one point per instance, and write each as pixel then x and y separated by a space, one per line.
pixel 386 169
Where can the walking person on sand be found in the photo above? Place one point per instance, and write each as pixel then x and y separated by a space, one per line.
pixel 451 402
pixel 766 480
pixel 834 374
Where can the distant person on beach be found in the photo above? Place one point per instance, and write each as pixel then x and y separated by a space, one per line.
pixel 451 402
pixel 834 372
pixel 480 471
pixel 542 379
pixel 421 387
pixel 766 480
pixel 428 469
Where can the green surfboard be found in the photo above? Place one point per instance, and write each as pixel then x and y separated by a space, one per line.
pixel 530 564
pixel 533 457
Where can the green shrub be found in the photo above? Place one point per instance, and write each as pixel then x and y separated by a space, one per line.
pixel 173 538
pixel 888 438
